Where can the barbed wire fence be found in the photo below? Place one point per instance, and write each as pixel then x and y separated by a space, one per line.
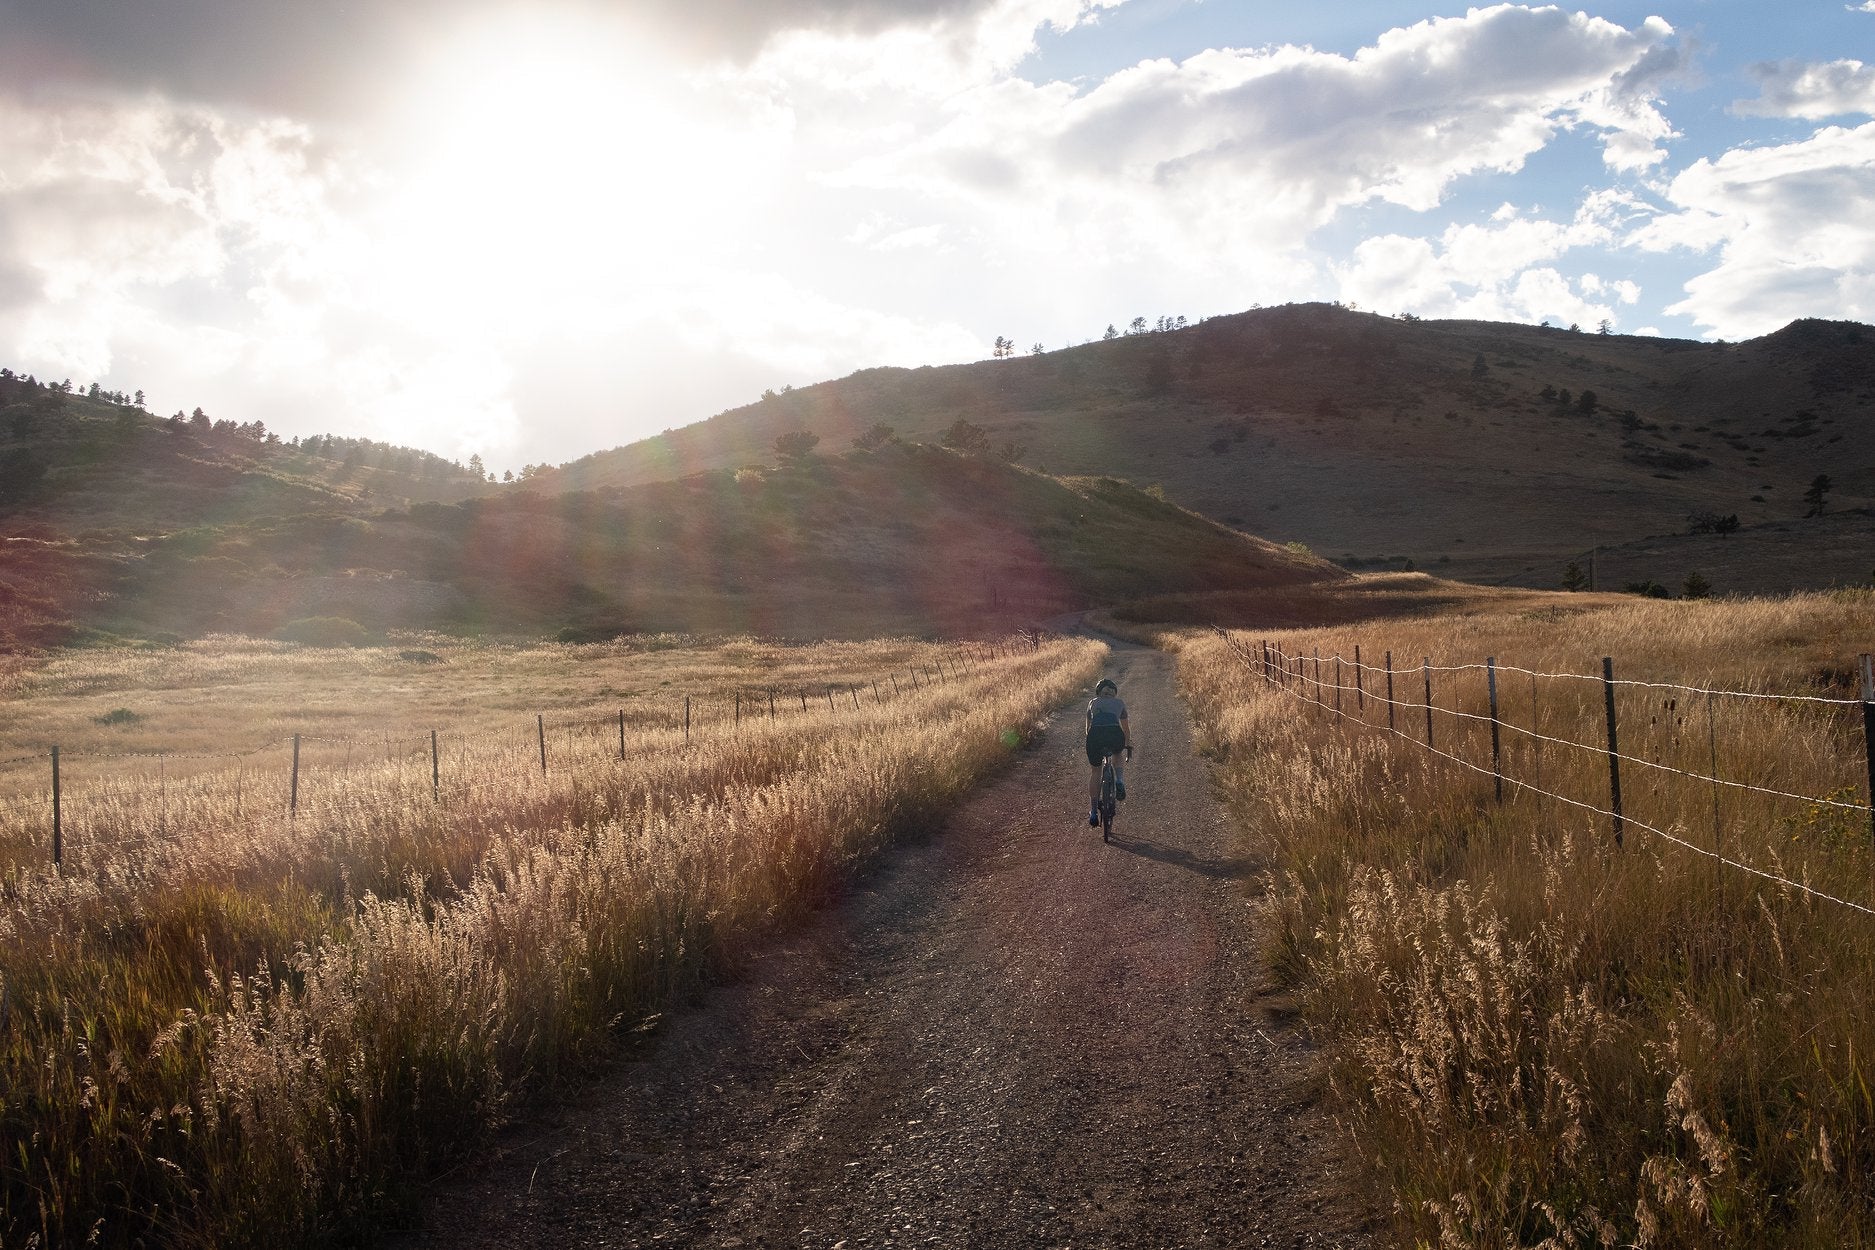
pixel 1682 722
pixel 44 814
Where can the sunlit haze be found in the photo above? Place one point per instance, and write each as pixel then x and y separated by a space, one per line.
pixel 531 232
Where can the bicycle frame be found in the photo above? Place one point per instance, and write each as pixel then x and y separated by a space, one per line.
pixel 1109 804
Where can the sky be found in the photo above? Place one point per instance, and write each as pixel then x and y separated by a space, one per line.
pixel 531 231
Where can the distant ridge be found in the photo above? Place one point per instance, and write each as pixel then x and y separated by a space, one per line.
pixel 1380 440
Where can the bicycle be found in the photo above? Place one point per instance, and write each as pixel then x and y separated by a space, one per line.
pixel 1108 803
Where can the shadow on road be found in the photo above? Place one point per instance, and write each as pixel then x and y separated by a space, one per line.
pixel 1221 869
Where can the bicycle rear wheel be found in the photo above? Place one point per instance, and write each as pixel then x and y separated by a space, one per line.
pixel 1107 801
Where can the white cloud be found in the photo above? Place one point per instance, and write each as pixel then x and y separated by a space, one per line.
pixel 1794 227
pixel 237 266
pixel 1809 90
pixel 1228 160
pixel 953 48
pixel 1506 271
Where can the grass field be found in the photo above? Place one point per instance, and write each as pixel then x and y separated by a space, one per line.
pixel 223 1022
pixel 1539 1038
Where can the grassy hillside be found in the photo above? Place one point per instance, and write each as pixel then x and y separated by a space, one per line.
pixel 71 463
pixel 1377 441
pixel 903 538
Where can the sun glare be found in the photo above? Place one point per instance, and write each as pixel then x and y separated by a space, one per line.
pixel 551 162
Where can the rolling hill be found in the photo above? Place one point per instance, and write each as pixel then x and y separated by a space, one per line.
pixel 902 539
pixel 1485 452
pixel 1494 452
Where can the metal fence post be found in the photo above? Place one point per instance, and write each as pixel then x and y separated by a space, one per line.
pixel 58 824
pixel 621 733
pixel 540 724
pixel 1868 730
pixel 1360 683
pixel 686 720
pixel 1497 757
pixel 1614 751
pixel 292 802
pixel 436 771
pixel 1390 728
pixel 1425 670
pixel 1337 685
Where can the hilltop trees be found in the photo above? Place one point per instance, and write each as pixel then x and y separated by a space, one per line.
pixel 873 439
pixel 1819 487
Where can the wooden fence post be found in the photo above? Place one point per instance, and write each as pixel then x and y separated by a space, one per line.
pixel 621 733
pixel 804 700
pixel 854 691
pixel 771 705
pixel 1360 683
pixel 292 802
pixel 436 771
pixel 1337 685
pixel 540 724
pixel 738 708
pixel 686 720
pixel 1497 759
pixel 58 823
pixel 1614 750
pixel 1425 670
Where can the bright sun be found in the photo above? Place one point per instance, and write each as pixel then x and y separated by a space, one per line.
pixel 551 160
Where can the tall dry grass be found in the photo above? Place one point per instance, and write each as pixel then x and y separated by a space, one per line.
pixel 1538 1038
pixel 220 1025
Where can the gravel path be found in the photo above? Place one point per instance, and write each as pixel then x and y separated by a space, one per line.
pixel 1010 1035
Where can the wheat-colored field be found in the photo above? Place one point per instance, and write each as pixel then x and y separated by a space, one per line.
pixel 225 1018
pixel 1540 1037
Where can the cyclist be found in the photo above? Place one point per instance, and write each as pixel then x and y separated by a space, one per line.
pixel 1107 733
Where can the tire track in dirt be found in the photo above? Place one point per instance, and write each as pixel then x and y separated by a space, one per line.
pixel 1008 1035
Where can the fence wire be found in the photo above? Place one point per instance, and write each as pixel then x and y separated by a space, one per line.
pixel 94 806
pixel 1274 658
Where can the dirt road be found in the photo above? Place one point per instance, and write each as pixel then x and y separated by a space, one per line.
pixel 1011 1035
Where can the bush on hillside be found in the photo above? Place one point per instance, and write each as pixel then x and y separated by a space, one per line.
pixel 324 631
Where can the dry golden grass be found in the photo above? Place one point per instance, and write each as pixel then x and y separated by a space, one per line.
pixel 1541 1039
pixel 222 1025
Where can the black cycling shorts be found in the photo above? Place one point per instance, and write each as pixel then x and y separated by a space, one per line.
pixel 1102 741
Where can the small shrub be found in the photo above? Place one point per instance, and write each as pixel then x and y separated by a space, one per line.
pixel 324 631
pixel 420 657
pixel 589 633
pixel 119 716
